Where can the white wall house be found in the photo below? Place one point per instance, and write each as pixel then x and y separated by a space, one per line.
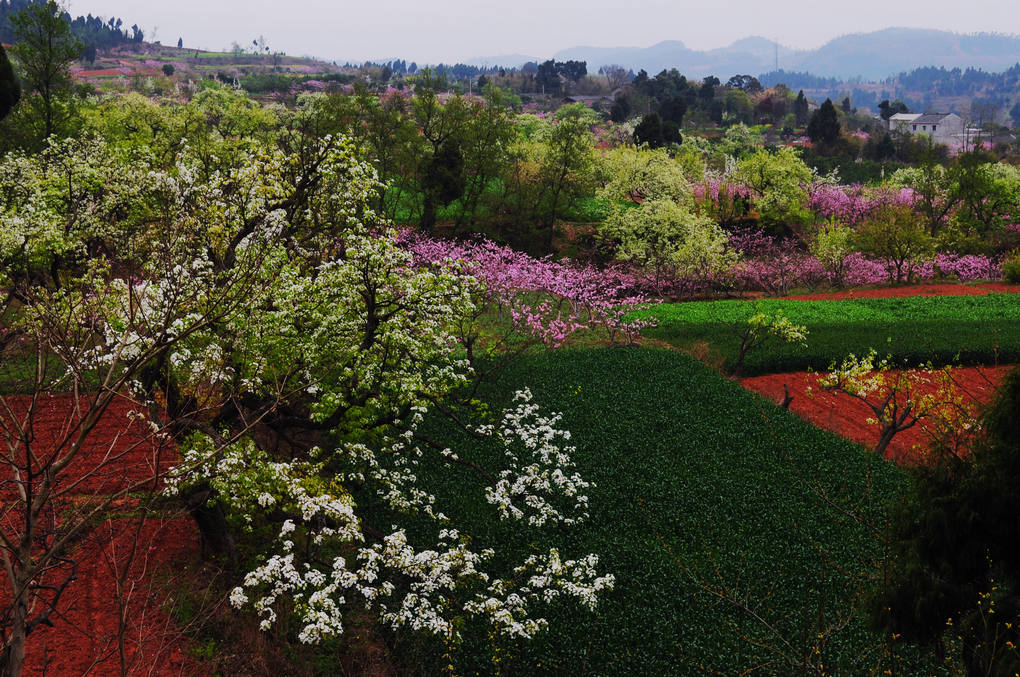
pixel 944 128
pixel 901 122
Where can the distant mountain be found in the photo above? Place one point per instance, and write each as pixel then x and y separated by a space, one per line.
pixel 869 56
pixel 891 51
pixel 750 55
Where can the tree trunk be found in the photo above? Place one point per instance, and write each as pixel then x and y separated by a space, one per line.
pixel 217 541
pixel 13 660
pixel 428 213
pixel 884 439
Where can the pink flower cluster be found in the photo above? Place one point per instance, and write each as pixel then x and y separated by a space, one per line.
pixel 859 270
pixel 545 299
pixel 963 267
pixel 776 266
pixel 773 265
pixel 851 204
pixel 714 190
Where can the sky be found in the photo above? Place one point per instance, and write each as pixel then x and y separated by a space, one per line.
pixel 433 31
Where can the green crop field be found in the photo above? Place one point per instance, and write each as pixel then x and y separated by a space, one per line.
pixel 914 330
pixel 699 484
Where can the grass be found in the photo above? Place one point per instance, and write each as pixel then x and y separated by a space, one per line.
pixel 943 329
pixel 700 485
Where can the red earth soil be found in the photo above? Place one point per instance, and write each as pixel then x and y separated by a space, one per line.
pixel 948 289
pixel 847 416
pixel 126 565
pixel 119 454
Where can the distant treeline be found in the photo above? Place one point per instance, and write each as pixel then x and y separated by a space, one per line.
pixel 918 88
pixel 957 82
pixel 93 31
pixel 458 71
pixel 797 80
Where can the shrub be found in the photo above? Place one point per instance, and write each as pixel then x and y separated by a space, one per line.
pixel 1011 268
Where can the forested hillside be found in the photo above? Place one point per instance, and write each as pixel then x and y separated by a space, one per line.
pixel 93 31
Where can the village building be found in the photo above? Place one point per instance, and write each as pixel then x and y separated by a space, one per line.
pixel 947 129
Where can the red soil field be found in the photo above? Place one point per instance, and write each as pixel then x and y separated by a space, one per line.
pixel 125 565
pixel 84 639
pixel 117 455
pixel 847 416
pixel 945 289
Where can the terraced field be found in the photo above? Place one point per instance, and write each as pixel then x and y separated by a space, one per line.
pixel 965 330
pixel 712 505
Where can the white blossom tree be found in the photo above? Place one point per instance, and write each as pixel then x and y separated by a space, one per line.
pixel 264 320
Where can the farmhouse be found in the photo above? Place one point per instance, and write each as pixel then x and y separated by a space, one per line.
pixel 943 128
pixel 901 122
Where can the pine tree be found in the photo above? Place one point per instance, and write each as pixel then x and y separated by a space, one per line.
pixel 800 108
pixel 885 148
pixel 824 127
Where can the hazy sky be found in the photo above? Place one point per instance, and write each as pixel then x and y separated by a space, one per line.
pixel 454 30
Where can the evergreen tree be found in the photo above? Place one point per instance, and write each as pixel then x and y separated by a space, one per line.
pixel 800 108
pixel 620 110
pixel 887 110
pixel 93 31
pixel 655 132
pixel 824 127
pixel 548 77
pixel 673 109
pixel 885 148
pixel 10 90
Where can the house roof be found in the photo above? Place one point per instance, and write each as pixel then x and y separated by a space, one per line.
pixel 905 117
pixel 931 118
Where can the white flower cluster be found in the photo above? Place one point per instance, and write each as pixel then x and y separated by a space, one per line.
pixel 858 376
pixel 428 589
pixel 315 310
pixel 421 597
pixel 540 473
pixel 545 577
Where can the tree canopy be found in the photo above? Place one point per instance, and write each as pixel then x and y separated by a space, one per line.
pixel 44 50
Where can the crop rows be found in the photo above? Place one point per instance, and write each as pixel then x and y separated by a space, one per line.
pixel 942 329
pixel 698 481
